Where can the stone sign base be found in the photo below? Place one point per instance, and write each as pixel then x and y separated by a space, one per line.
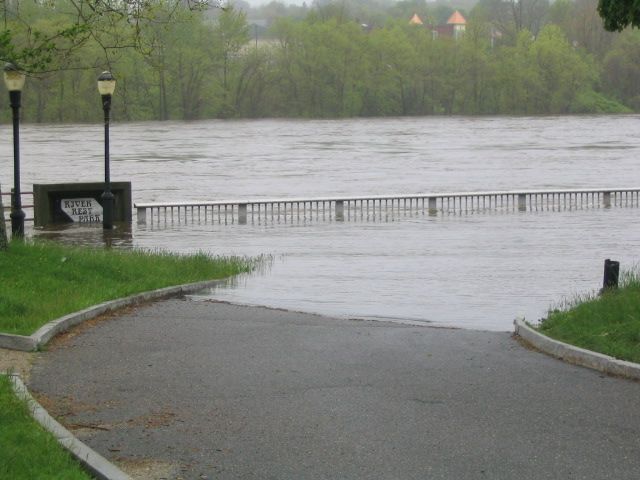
pixel 60 202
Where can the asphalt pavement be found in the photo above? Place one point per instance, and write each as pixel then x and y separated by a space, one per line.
pixel 184 389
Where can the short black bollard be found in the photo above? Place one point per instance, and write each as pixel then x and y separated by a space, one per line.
pixel 611 274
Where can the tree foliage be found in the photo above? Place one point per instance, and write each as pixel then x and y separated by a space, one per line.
pixel 619 14
pixel 193 64
pixel 622 69
pixel 43 35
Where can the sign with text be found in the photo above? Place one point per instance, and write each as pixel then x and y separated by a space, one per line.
pixel 82 210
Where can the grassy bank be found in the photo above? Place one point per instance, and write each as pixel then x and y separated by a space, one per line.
pixel 44 281
pixel 28 451
pixel 608 324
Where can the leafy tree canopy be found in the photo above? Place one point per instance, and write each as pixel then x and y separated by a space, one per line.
pixel 36 45
pixel 619 14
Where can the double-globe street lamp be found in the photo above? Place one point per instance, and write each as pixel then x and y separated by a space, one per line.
pixel 106 87
pixel 14 80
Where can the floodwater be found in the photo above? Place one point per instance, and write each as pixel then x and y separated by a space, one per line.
pixel 478 270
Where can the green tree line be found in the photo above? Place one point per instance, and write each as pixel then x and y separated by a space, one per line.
pixel 326 63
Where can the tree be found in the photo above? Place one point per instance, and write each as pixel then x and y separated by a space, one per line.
pixel 255 81
pixel 619 14
pixel 517 77
pixel 586 28
pixel 404 9
pixel 563 72
pixel 621 70
pixel 230 35
pixel 528 14
pixel 510 17
pixel 475 49
pixel 189 65
pixel 392 65
pixel 69 24
pixel 582 25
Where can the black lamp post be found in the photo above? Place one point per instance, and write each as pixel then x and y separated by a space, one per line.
pixel 106 86
pixel 14 80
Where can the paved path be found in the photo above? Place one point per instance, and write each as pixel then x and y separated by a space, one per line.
pixel 185 389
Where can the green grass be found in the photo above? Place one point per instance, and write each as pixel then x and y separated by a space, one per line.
pixel 28 451
pixel 608 324
pixel 42 281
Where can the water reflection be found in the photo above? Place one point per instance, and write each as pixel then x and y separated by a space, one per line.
pixel 93 235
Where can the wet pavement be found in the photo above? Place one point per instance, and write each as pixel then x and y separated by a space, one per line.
pixel 190 389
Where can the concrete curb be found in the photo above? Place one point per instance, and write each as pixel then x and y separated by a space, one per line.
pixel 576 355
pixel 95 464
pixel 47 332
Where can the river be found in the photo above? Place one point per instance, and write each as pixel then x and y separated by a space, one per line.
pixel 477 270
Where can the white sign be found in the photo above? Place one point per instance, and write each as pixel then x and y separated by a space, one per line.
pixel 82 210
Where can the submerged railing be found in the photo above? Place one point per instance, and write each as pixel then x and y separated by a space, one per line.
pixel 27 205
pixel 351 208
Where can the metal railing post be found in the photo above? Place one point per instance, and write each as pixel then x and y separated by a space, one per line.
pixel 522 202
pixel 433 205
pixel 340 210
pixel 242 213
pixel 142 215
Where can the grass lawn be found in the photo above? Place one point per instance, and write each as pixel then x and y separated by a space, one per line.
pixel 42 281
pixel 608 324
pixel 28 451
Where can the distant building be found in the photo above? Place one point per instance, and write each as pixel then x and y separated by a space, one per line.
pixel 416 20
pixel 455 26
pixel 458 24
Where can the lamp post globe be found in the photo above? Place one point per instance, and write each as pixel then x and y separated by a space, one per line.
pixel 14 79
pixel 106 87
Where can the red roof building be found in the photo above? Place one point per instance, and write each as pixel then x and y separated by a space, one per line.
pixel 416 20
pixel 456 18
pixel 458 24
pixel 455 26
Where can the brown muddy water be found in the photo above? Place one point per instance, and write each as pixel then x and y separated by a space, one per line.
pixel 476 270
